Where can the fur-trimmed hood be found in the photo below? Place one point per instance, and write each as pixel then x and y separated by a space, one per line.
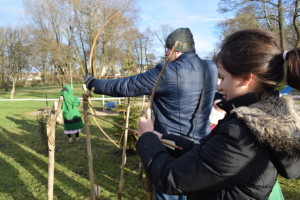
pixel 275 122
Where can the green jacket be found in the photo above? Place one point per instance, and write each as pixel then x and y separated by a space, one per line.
pixel 72 119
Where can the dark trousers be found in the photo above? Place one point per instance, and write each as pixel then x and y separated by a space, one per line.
pixel 70 135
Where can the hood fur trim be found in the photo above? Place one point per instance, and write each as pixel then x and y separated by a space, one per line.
pixel 275 122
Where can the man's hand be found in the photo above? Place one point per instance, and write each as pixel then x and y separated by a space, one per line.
pixel 88 80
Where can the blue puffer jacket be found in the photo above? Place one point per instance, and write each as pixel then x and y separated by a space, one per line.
pixel 187 84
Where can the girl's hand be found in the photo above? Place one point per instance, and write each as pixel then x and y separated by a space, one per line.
pixel 145 124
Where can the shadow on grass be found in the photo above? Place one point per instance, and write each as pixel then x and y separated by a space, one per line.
pixel 11 186
pixel 71 164
pixel 107 164
pixel 21 147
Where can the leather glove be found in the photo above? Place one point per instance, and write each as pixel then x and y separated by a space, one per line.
pixel 88 80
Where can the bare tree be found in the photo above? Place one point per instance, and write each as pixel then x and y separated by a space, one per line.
pixel 16 54
pixel 245 18
pixel 162 34
pixel 2 54
pixel 66 30
pixel 148 43
pixel 293 28
pixel 142 43
pixel 271 14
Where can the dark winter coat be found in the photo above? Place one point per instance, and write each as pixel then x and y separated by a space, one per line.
pixel 240 158
pixel 186 83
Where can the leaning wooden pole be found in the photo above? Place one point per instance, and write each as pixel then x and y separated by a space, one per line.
pixel 149 184
pixel 51 146
pixel 121 183
pixel 86 99
pixel 160 75
pixel 93 112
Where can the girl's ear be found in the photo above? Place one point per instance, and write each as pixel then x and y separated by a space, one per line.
pixel 248 79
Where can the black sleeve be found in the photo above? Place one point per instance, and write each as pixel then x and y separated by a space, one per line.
pixel 220 162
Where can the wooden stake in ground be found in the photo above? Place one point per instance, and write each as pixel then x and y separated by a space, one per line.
pixel 51 145
pixel 86 99
pixel 121 183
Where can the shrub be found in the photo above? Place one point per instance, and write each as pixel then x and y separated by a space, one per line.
pixel 135 113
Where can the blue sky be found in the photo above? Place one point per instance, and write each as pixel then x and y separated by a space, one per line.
pixel 11 12
pixel 200 16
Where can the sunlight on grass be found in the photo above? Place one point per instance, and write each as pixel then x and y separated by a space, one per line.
pixel 29 181
pixel 24 168
pixel 24 161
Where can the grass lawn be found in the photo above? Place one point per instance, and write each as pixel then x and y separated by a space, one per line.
pixel 24 160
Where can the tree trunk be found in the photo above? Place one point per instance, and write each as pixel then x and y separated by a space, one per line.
pixel 13 88
pixel 296 24
pixel 281 25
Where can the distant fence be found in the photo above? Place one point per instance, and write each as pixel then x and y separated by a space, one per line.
pixel 93 99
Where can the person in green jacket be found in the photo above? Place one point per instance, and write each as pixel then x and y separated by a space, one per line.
pixel 71 115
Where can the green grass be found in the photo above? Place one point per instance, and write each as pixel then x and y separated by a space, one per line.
pixel 24 161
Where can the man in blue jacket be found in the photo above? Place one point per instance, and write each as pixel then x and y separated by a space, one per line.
pixel 184 96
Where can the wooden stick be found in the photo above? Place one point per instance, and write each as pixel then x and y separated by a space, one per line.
pixel 134 131
pixel 86 99
pixel 51 145
pixel 143 103
pixel 96 37
pixel 170 145
pixel 97 191
pixel 122 133
pixel 121 183
pixel 103 103
pixel 160 75
pixel 149 189
pixel 104 133
pixel 116 124
pixel 149 185
pixel 100 128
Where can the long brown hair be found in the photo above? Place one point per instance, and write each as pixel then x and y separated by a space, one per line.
pixel 258 51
